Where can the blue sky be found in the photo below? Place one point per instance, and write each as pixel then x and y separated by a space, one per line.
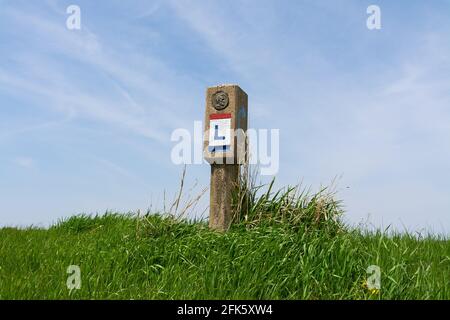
pixel 86 115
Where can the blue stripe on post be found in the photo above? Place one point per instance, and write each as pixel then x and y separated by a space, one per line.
pixel 219 149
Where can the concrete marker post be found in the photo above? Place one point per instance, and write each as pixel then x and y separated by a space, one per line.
pixel 225 148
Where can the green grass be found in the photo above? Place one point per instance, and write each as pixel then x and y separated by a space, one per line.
pixel 154 257
pixel 282 245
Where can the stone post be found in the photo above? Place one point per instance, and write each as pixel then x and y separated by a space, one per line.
pixel 225 148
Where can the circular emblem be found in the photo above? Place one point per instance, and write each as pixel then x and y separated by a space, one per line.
pixel 220 100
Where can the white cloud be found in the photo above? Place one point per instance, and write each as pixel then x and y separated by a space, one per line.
pixel 384 122
pixel 25 162
pixel 375 125
pixel 151 116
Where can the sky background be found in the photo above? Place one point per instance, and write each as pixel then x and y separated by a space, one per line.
pixel 86 115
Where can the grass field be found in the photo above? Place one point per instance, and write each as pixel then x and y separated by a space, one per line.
pixel 284 245
pixel 121 257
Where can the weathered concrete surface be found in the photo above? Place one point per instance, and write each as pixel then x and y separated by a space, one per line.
pixel 238 108
pixel 224 179
pixel 225 165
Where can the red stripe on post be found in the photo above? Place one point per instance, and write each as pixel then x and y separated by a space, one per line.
pixel 220 116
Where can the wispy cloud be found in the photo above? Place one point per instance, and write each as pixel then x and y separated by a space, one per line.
pixel 25 162
pixel 370 106
pixel 376 125
pixel 48 80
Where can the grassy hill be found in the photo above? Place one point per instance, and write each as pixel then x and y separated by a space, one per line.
pixel 283 245
pixel 123 257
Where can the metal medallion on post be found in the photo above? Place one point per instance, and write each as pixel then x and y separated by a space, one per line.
pixel 220 100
